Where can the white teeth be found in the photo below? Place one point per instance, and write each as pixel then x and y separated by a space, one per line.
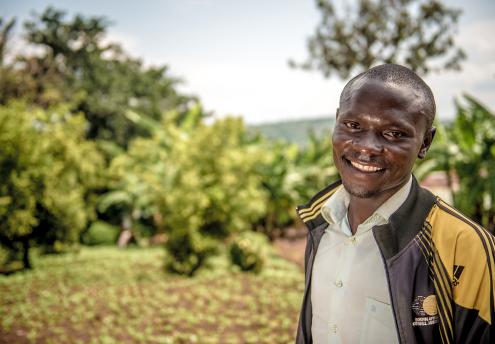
pixel 365 168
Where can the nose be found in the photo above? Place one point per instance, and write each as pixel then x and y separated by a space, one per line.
pixel 368 143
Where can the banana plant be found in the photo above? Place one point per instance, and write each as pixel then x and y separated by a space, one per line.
pixel 466 149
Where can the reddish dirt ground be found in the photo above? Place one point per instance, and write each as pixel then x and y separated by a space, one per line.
pixel 292 247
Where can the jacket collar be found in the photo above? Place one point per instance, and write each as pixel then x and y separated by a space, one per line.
pixel 406 222
pixel 310 213
pixel 403 224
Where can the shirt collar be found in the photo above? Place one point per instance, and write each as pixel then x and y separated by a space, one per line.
pixel 395 201
pixel 335 208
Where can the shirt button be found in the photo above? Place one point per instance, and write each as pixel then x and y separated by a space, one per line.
pixel 350 241
pixel 339 284
pixel 333 328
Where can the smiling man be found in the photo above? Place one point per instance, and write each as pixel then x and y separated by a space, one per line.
pixel 386 261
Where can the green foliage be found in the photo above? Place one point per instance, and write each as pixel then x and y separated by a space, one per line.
pixel 290 175
pixel 47 170
pixel 248 251
pixel 195 180
pixel 279 178
pixel 188 251
pixel 99 79
pixel 101 233
pixel 165 169
pixel 215 163
pixel 472 156
pixel 415 33
pixel 316 167
pixel 4 256
pixel 466 149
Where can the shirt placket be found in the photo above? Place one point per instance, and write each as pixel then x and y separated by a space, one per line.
pixel 339 288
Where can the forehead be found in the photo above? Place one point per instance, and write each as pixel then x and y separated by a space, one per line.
pixel 381 100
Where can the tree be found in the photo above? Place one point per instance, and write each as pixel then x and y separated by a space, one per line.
pixel 48 171
pixel 76 65
pixel 415 33
pixel 198 182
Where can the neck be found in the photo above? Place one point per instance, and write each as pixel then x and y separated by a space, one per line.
pixel 362 208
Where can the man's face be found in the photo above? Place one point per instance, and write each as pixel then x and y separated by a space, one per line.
pixel 379 133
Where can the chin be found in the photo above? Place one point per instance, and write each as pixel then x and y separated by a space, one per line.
pixel 360 192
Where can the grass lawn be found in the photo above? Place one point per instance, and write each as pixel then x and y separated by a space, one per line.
pixel 109 295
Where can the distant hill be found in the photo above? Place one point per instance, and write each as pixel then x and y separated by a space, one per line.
pixel 295 131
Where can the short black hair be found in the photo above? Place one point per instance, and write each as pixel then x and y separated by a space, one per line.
pixel 398 75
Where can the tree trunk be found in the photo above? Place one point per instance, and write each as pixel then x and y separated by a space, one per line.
pixel 25 254
pixel 126 234
pixel 124 238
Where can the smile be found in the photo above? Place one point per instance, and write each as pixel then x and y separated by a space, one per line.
pixel 365 168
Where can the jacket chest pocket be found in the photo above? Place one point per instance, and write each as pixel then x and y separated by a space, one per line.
pixel 378 323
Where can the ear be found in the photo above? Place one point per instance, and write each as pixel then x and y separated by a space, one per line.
pixel 427 139
pixel 337 114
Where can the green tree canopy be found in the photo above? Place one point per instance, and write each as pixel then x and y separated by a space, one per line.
pixel 75 64
pixel 48 170
pixel 415 33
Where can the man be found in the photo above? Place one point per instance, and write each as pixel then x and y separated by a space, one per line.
pixel 386 261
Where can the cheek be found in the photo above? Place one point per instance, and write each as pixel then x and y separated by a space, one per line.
pixel 401 157
pixel 339 139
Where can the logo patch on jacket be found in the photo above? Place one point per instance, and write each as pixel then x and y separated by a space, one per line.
pixel 458 269
pixel 425 308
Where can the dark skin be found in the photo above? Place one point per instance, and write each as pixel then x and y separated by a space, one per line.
pixel 380 130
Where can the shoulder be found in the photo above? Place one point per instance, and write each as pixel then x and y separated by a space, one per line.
pixel 452 228
pixel 311 210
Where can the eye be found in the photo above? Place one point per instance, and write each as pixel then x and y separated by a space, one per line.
pixel 352 125
pixel 393 134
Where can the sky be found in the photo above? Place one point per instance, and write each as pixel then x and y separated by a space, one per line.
pixel 233 54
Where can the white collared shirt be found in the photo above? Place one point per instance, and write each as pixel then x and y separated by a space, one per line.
pixel 349 292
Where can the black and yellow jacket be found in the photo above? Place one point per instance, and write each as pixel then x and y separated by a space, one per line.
pixel 440 268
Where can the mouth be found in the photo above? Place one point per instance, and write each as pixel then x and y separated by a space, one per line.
pixel 364 167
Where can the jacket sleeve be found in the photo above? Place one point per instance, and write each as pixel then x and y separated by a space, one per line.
pixel 464 266
pixel 473 279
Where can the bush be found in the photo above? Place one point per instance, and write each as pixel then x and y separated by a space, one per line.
pixel 101 233
pixel 248 251
pixel 187 251
pixel 49 173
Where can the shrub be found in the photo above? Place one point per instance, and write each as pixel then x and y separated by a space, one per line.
pixel 248 251
pixel 101 233
pixel 48 172
pixel 199 178
pixel 187 251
